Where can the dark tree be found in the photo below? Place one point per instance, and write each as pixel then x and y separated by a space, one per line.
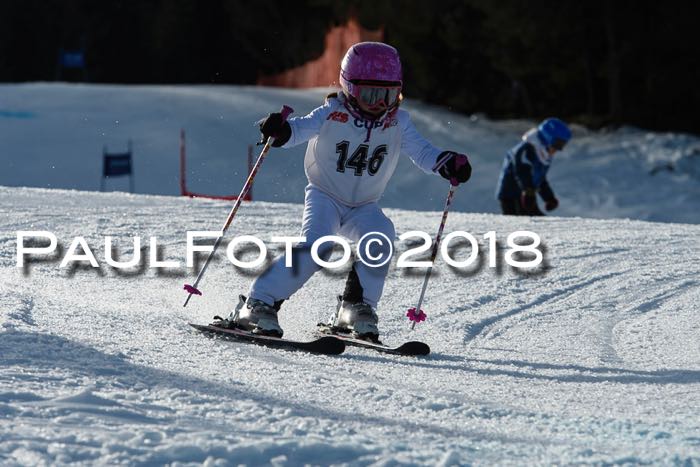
pixel 598 62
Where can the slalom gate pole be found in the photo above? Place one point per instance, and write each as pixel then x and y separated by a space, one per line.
pixel 192 289
pixel 416 315
pixel 183 169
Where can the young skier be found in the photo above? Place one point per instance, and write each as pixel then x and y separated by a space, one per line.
pixel 525 169
pixel 354 142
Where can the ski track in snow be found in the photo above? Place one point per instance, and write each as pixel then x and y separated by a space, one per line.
pixel 592 359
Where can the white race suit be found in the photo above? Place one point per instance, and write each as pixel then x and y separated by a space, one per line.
pixel 348 163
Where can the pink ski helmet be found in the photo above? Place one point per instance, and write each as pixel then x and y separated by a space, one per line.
pixel 370 73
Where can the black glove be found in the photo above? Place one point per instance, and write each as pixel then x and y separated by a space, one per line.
pixel 552 204
pixel 275 127
pixel 454 167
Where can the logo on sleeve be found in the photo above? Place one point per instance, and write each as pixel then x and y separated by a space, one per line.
pixel 336 116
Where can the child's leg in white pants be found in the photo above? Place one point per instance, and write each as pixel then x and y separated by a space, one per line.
pixel 322 216
pixel 358 222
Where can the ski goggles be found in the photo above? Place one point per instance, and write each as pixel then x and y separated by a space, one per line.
pixel 373 96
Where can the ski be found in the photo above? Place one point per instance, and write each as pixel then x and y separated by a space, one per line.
pixel 410 348
pixel 327 345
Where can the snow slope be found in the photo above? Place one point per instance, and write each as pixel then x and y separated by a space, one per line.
pixel 593 359
pixel 52 135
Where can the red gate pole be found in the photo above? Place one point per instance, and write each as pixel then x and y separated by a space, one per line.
pixel 183 182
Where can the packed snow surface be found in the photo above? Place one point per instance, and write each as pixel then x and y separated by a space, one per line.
pixel 592 358
pixel 52 135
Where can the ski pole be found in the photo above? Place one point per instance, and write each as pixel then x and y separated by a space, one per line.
pixel 416 315
pixel 192 289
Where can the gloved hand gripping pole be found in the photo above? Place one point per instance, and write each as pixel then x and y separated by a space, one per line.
pixel 192 289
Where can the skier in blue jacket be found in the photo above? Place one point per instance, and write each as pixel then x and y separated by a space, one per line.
pixel 525 168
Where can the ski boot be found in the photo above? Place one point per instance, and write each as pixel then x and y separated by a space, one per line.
pixel 255 316
pixel 357 319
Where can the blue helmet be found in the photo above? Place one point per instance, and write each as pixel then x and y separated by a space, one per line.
pixel 554 133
